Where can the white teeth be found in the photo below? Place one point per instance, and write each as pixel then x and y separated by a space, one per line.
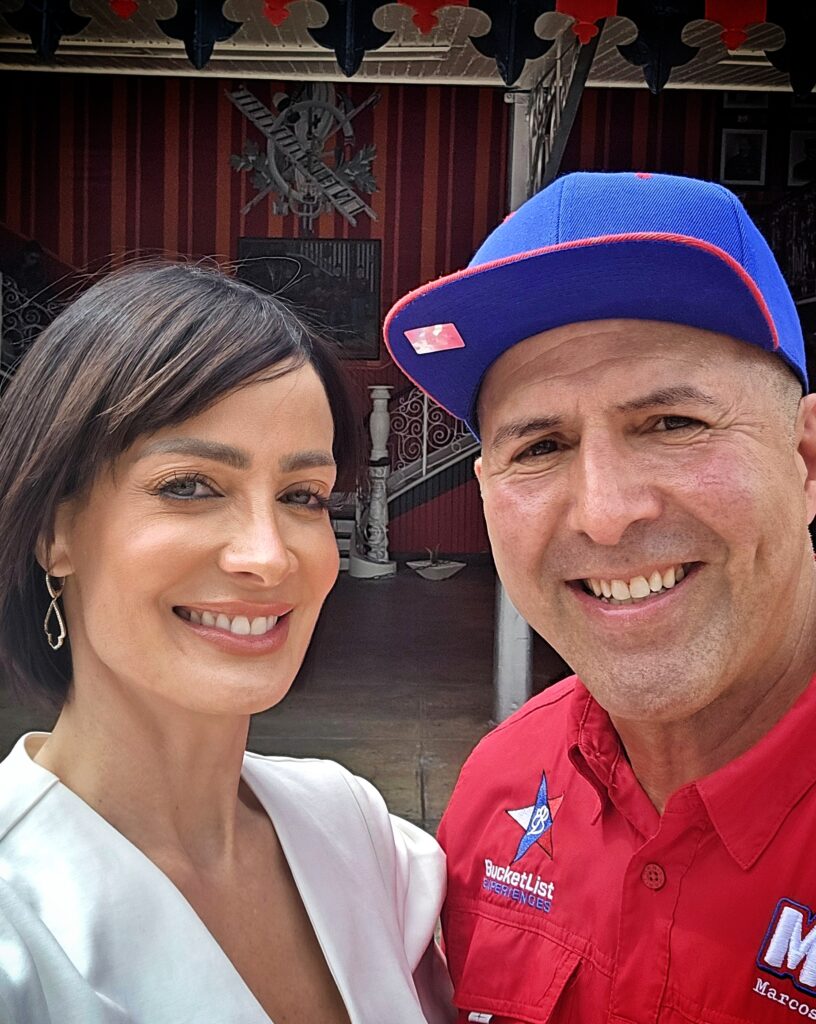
pixel 636 589
pixel 240 625
pixel 620 590
pixel 639 587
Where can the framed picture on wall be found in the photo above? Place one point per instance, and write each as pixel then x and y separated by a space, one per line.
pixel 802 157
pixel 745 99
pixel 742 156
pixel 334 284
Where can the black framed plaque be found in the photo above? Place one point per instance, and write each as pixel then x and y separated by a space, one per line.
pixel 334 284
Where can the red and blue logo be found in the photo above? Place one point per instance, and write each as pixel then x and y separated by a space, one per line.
pixel 537 821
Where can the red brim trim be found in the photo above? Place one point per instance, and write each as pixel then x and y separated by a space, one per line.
pixel 645 236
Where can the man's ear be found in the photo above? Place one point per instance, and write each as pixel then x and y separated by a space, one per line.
pixel 54 557
pixel 807 451
pixel 477 469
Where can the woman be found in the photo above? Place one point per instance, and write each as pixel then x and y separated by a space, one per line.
pixel 168 449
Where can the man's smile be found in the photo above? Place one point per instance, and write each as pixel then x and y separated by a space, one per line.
pixel 642 586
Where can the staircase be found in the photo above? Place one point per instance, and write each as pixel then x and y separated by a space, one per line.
pixel 420 440
pixel 343 530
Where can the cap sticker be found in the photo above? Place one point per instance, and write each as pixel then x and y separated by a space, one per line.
pixel 434 338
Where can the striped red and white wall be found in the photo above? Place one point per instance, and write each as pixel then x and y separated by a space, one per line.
pixel 100 169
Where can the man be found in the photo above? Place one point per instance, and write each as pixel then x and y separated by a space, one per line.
pixel 635 843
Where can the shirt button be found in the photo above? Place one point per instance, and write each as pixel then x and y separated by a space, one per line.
pixel 653 876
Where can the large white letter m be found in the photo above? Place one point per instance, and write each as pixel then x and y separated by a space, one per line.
pixel 787 948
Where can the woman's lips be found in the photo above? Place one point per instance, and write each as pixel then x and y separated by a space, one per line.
pixel 239 634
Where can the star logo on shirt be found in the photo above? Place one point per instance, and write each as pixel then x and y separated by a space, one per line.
pixel 537 821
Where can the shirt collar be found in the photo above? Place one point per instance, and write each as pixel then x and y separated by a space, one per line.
pixel 747 800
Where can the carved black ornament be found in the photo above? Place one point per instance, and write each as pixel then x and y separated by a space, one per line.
pixel 512 39
pixel 350 32
pixel 659 48
pixel 199 24
pixel 797 58
pixel 46 22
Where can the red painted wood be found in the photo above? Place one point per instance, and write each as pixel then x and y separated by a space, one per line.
pixel 452 522
pixel 425 17
pixel 586 14
pixel 735 16
pixel 276 11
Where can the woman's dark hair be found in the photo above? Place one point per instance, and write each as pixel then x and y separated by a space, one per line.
pixel 143 349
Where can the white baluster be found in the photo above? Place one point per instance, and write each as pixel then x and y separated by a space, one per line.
pixel 378 467
pixel 375 562
pixel 380 421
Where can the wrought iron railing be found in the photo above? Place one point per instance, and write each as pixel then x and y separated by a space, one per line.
pixel 548 99
pixel 422 435
pixel 22 319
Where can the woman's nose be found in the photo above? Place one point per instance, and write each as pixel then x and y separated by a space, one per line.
pixel 258 549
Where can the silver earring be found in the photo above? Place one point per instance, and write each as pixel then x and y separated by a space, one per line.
pixel 53 609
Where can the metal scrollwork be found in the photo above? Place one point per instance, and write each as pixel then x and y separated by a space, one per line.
pixel 23 319
pixel 547 100
pixel 418 429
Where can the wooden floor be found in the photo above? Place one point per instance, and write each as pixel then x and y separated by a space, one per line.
pixel 397 686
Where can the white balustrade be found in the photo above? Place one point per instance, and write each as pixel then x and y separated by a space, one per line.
pixel 378 469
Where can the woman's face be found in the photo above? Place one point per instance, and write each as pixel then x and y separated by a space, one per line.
pixel 197 566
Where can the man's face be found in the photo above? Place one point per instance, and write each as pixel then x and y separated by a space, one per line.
pixel 644 458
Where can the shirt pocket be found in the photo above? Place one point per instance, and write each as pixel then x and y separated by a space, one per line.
pixel 502 970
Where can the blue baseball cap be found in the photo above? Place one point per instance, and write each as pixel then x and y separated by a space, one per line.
pixel 596 246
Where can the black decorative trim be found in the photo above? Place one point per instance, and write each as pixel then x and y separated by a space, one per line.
pixel 350 32
pixel 796 58
pixel 512 39
pixel 46 22
pixel 199 24
pixel 659 48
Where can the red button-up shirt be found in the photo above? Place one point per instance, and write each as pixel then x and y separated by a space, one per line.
pixel 571 900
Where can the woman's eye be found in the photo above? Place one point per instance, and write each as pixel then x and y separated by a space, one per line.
pixel 186 488
pixel 308 499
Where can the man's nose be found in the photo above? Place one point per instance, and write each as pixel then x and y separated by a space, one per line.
pixel 611 490
pixel 258 550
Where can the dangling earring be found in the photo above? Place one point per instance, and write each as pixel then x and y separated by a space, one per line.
pixel 53 609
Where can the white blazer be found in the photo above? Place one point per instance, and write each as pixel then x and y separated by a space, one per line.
pixel 92 932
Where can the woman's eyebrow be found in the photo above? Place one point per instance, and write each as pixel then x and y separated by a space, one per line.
pixel 236 458
pixel 226 453
pixel 306 460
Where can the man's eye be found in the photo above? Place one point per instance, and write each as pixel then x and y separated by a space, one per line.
pixel 186 488
pixel 546 447
pixel 666 423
